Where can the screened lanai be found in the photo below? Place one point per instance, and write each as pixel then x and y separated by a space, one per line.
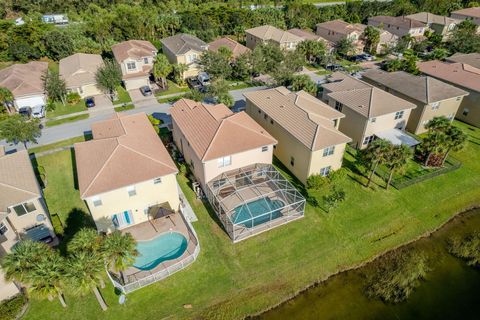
pixel 254 199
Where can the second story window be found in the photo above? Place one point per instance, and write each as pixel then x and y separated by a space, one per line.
pixel 157 180
pixel 131 66
pixel 145 60
pixel 328 151
pixel 373 120
pixel 338 106
pixel 292 161
pixel 264 148
pixel 224 162
pixel 24 208
pixel 435 105
pixel 399 114
pixel 3 229
pixel 131 191
pixel 97 202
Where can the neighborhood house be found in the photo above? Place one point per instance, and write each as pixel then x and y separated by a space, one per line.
pixel 79 71
pixel 399 26
pixel 270 34
pixel 439 24
pixel 236 48
pixel 336 30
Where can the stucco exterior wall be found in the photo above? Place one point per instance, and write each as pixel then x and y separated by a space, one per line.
pixel 399 31
pixel 193 68
pixel 147 194
pixel 318 161
pixel 472 103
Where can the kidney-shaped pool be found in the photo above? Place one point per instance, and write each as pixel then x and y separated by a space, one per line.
pixel 165 247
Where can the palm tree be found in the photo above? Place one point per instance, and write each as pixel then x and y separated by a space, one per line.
pixel 18 264
pixel 375 155
pixel 86 239
pixel 54 86
pixel 85 272
pixel 456 141
pixel 120 251
pixel 433 144
pixel 6 98
pixel 180 69
pixel 396 159
pixel 438 124
pixel 161 69
pixel 108 77
pixel 372 37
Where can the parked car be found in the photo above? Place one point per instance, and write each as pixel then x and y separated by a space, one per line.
pixel 203 78
pixel 146 91
pixel 25 111
pixel 38 111
pixel 90 102
pixel 367 57
pixel 194 83
pixel 334 67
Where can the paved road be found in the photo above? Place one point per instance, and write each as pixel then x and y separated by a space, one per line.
pixel 79 128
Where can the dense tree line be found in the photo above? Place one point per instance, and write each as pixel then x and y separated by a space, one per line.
pixel 96 25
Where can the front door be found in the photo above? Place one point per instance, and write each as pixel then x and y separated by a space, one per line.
pixel 122 220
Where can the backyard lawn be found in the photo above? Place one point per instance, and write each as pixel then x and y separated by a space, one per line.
pixel 231 281
pixel 172 88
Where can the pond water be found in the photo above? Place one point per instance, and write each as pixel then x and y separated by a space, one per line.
pixel 450 291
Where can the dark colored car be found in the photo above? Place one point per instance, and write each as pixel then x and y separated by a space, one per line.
pixel 334 67
pixel 146 91
pixel 25 111
pixel 194 83
pixel 90 102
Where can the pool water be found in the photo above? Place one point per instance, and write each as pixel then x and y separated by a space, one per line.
pixel 165 247
pixel 257 208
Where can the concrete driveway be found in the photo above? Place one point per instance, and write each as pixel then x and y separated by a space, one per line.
pixel 102 101
pixel 139 99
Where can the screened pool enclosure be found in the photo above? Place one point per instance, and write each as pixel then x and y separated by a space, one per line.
pixel 254 199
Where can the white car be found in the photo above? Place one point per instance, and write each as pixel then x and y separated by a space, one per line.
pixel 38 111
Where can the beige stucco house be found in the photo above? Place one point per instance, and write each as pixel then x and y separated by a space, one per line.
pixel 439 24
pixel 463 76
pixel 26 84
pixel 336 30
pixel 135 58
pixel 236 48
pixel 472 14
pixel 23 213
pixel 124 171
pixel 307 35
pixel 432 97
pixel 306 129
pixel 370 112
pixel 399 26
pixel 78 71
pixel 186 49
pixel 267 33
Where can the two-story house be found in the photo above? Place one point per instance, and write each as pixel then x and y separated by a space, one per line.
pixel 432 97
pixel 472 14
pixel 26 84
pixel 184 48
pixel 235 48
pixel 79 72
pixel 439 24
pixel 370 112
pixel 135 58
pixel 124 171
pixel 23 213
pixel 307 35
pixel 306 129
pixel 399 26
pixel 230 156
pixel 336 30
pixel 263 34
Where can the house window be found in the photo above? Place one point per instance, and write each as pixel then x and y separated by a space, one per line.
pixel 264 148
pixel 465 112
pixel 292 161
pixel 145 60
pixel 131 191
pixel 451 116
pixel 368 139
pixel 435 105
pixel 97 202
pixel 325 171
pixel 224 162
pixel 3 229
pixel 271 122
pixel 157 180
pixel 399 115
pixel 338 106
pixel 328 151
pixel 260 111
pixel 265 116
pixel 459 98
pixel 373 120
pixel 24 208
pixel 191 57
pixel 131 66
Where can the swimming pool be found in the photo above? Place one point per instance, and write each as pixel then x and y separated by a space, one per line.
pixel 165 247
pixel 257 208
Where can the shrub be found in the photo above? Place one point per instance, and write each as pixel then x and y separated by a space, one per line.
pixel 466 248
pixel 393 277
pixel 316 182
pixel 73 98
pixel 333 199
pixel 9 309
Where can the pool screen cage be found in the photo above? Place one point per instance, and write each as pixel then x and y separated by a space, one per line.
pixel 254 199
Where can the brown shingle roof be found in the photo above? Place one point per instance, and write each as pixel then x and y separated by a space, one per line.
pixel 471 12
pixel 306 118
pixel 24 79
pixel 342 27
pixel 472 59
pixel 214 131
pixel 79 69
pixel 460 74
pixel 421 88
pixel 363 98
pixel 17 180
pixel 402 22
pixel 267 32
pixel 428 18
pixel 236 48
pixel 182 43
pixel 134 49
pixel 125 150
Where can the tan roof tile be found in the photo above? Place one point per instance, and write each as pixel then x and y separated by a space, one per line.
pixel 18 182
pixel 459 74
pixel 214 131
pixel 79 69
pixel 236 48
pixel 471 12
pixel 24 79
pixel 342 27
pixel 402 21
pixel 125 151
pixel 308 119
pixel 133 49
pixel 472 59
pixel 267 32
pixel 182 43
pixel 428 18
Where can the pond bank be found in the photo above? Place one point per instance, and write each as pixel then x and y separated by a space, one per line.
pixel 449 292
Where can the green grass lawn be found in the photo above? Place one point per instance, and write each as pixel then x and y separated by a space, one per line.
pixel 124 108
pixel 123 96
pixel 230 281
pixel 63 143
pixel 61 109
pixel 172 88
pixel 52 123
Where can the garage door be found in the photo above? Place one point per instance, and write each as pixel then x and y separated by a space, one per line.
pixel 30 101
pixel 90 90
pixel 136 83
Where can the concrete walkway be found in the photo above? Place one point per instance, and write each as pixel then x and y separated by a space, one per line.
pixel 186 207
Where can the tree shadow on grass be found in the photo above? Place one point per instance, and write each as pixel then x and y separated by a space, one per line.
pixel 77 219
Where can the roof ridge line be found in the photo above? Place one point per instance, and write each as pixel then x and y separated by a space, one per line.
pixel 211 141
pixel 241 125
pixel 146 156
pixel 16 188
